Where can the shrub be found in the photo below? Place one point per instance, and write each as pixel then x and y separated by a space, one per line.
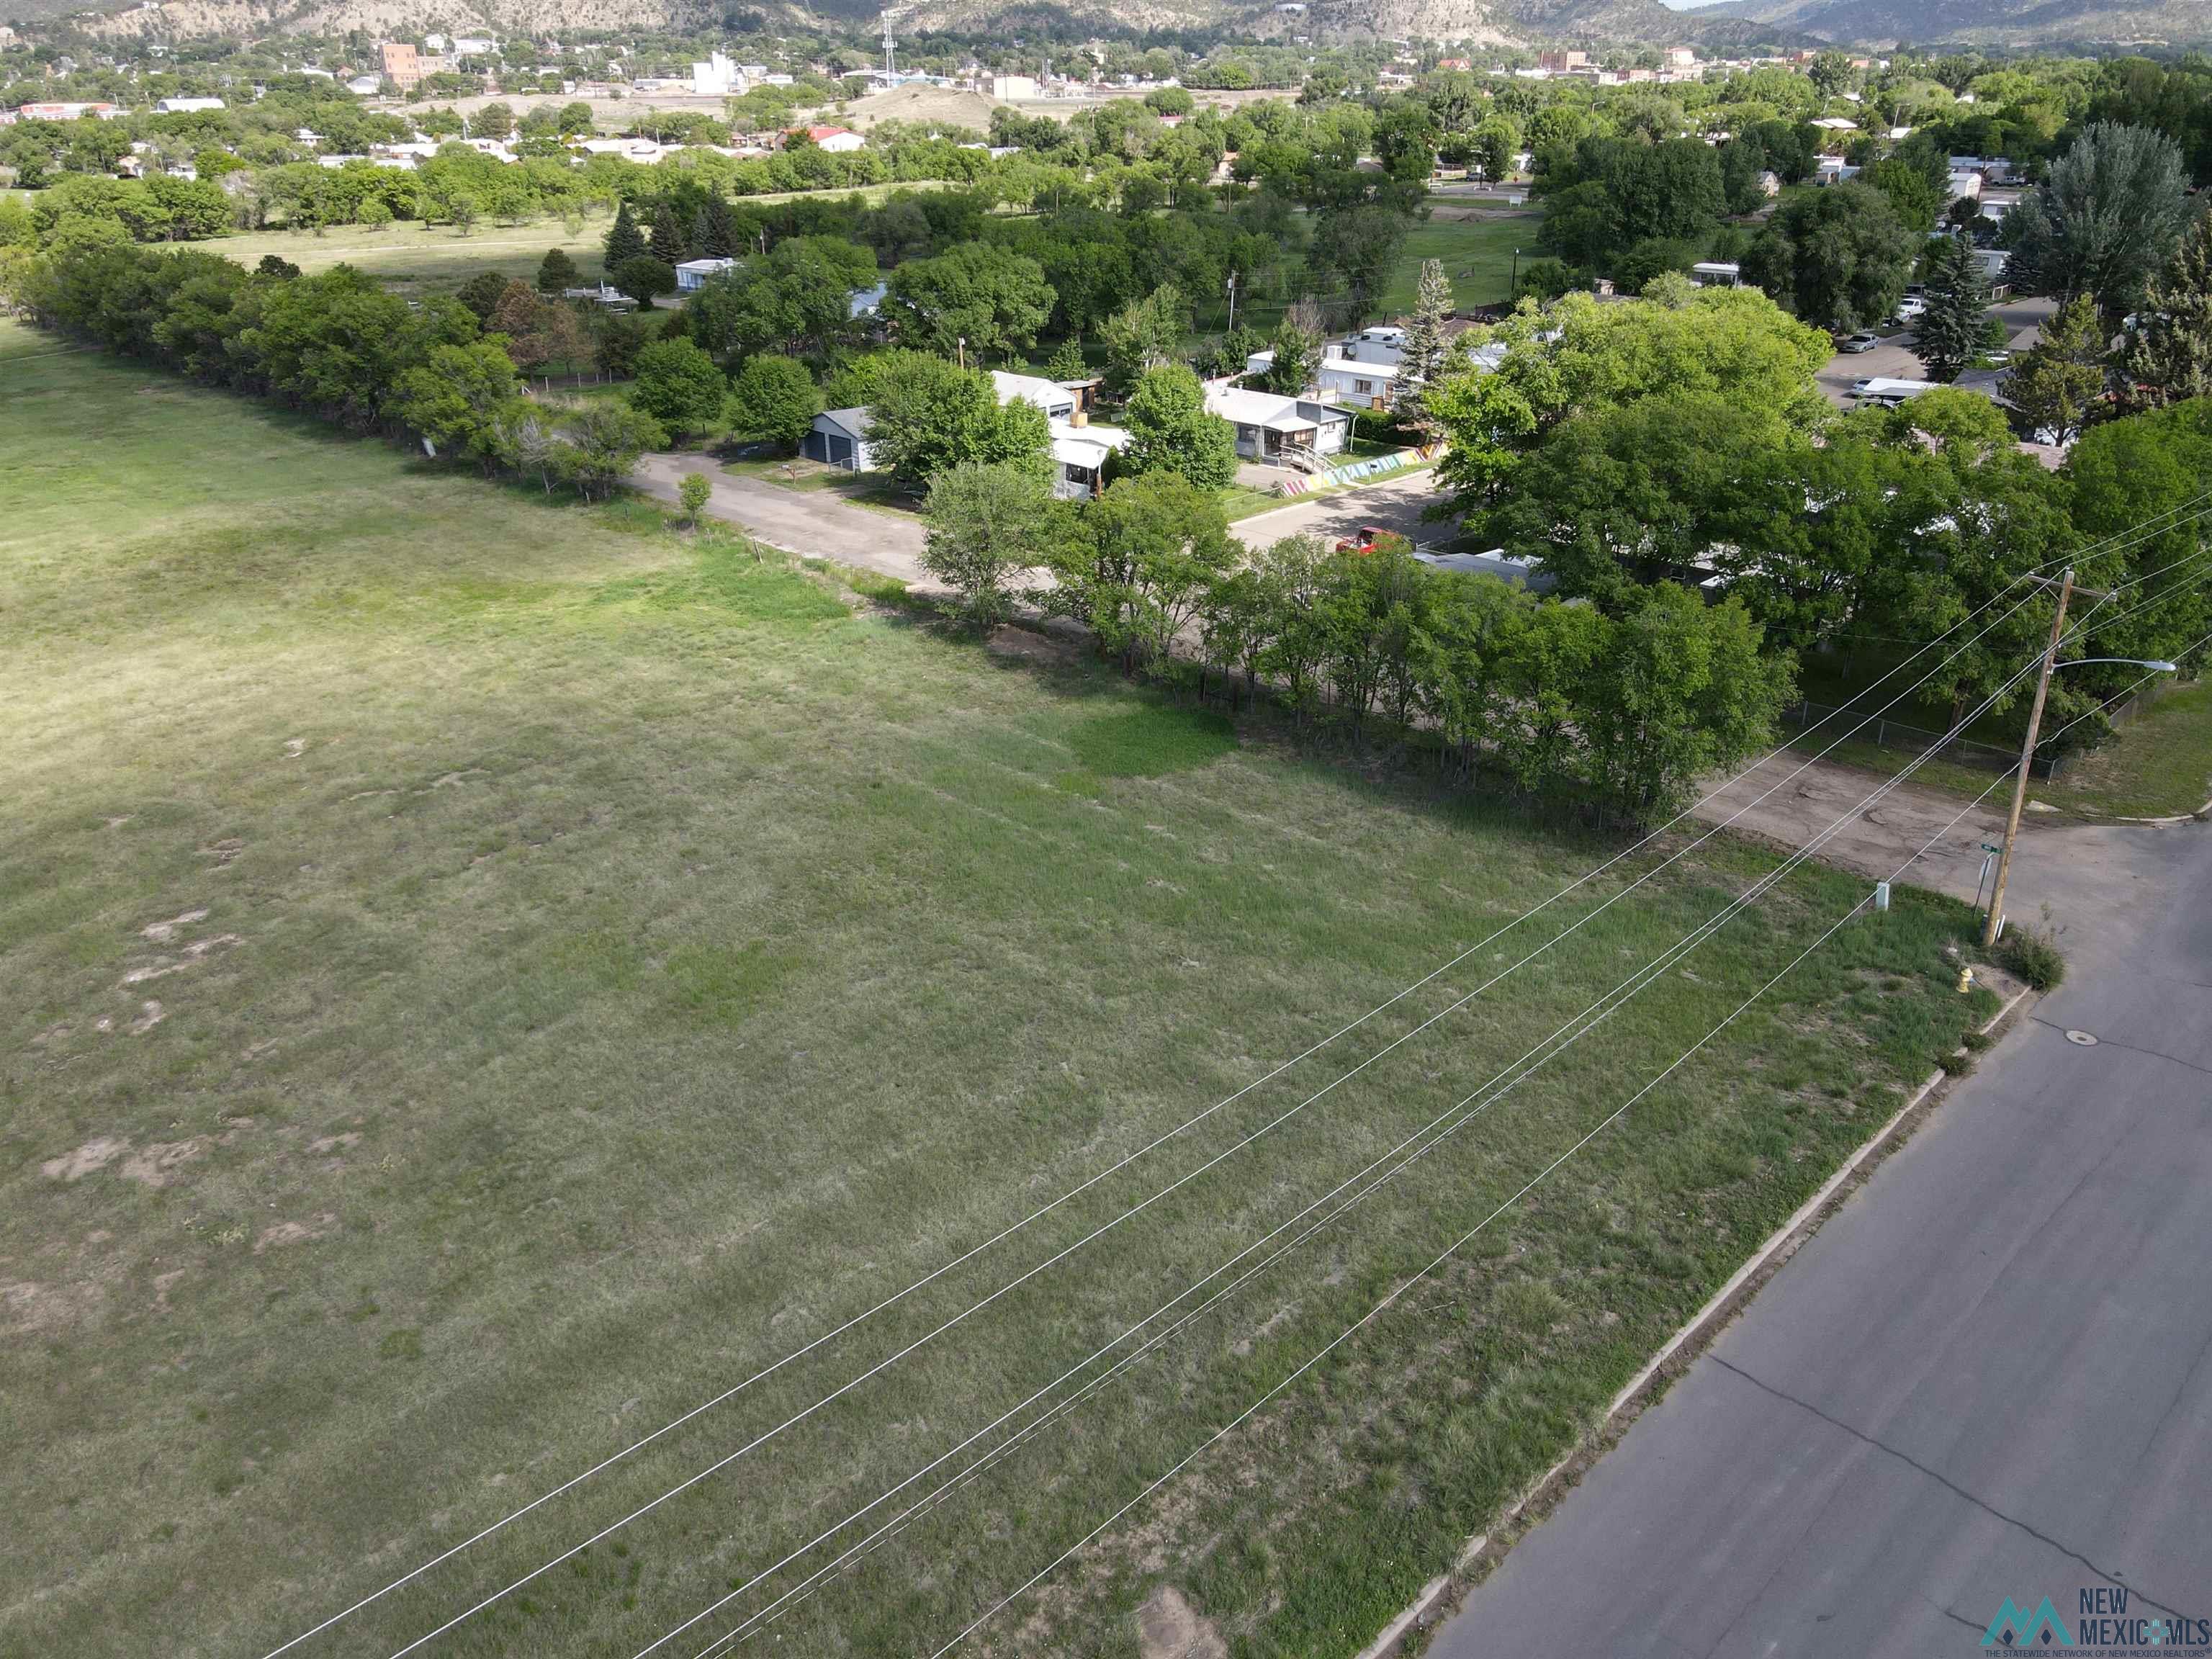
pixel 2031 956
pixel 692 492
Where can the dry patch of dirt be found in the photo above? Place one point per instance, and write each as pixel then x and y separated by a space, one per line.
pixel 162 931
pixel 293 1232
pixel 226 850
pixel 194 954
pixel 31 1309
pixel 150 1014
pixel 96 1154
pixel 158 1164
pixel 1169 1627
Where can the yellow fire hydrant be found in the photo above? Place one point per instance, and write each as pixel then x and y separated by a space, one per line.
pixel 1966 980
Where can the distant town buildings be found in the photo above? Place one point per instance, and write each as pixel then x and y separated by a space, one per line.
pixel 401 65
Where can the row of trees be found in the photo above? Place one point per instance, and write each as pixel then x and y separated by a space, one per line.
pixel 337 346
pixel 1622 709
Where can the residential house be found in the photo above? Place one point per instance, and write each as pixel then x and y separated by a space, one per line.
pixel 1058 402
pixel 1716 273
pixel 1079 454
pixel 184 106
pixel 693 274
pixel 1277 429
pixel 838 141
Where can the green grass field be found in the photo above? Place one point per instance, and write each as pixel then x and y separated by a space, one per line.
pixel 2159 765
pixel 480 976
pixel 1477 255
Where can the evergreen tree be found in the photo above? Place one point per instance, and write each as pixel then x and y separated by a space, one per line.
pixel 715 231
pixel 624 241
pixel 1067 362
pixel 2056 385
pixel 668 244
pixel 1952 327
pixel 2168 356
pixel 1423 358
pixel 556 272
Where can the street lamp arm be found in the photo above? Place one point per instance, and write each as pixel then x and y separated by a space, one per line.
pixel 2154 665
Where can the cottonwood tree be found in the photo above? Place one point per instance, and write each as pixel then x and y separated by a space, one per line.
pixel 2103 220
pixel 994 300
pixel 1297 344
pixel 1838 258
pixel 929 416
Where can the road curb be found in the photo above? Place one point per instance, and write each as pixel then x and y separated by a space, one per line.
pixel 1719 1311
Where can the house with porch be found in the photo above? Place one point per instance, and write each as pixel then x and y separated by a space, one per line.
pixel 1276 430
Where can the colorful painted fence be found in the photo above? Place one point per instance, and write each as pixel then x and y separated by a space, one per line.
pixel 1352 472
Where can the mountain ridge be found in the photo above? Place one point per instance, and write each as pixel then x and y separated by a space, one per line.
pixel 1885 23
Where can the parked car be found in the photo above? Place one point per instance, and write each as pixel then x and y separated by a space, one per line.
pixel 1363 539
pixel 1910 306
pixel 1864 340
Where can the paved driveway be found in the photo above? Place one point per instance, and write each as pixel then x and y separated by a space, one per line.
pixel 1395 504
pixel 1989 1375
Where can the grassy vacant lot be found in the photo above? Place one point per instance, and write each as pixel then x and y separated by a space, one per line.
pixel 2158 765
pixel 415 259
pixel 1476 246
pixel 479 977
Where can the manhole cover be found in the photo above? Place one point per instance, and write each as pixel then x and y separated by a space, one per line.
pixel 2081 1039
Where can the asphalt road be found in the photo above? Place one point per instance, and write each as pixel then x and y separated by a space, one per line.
pixel 1989 1375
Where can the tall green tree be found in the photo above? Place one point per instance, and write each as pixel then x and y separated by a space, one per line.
pixel 1682 689
pixel 1839 257
pixel 605 441
pixel 1170 431
pixel 774 400
pixel 2057 383
pixel 994 300
pixel 2103 220
pixel 624 241
pixel 1297 344
pixel 1422 359
pixel 1953 330
pixel 670 245
pixel 2167 357
pixel 458 397
pixel 1157 546
pixel 989 522
pixel 929 416
pixel 679 386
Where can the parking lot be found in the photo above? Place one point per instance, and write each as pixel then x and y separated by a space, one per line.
pixel 1893 360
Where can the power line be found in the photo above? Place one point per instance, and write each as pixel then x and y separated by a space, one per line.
pixel 1596 1015
pixel 1392 1299
pixel 1131 1157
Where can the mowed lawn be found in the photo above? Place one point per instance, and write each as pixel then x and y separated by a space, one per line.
pixel 1477 252
pixel 479 977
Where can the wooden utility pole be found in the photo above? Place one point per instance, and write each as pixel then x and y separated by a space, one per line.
pixel 1996 918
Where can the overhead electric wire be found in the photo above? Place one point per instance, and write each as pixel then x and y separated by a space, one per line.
pixel 1396 1294
pixel 1493 1090
pixel 2148 529
pixel 1187 1177
pixel 1437 1131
